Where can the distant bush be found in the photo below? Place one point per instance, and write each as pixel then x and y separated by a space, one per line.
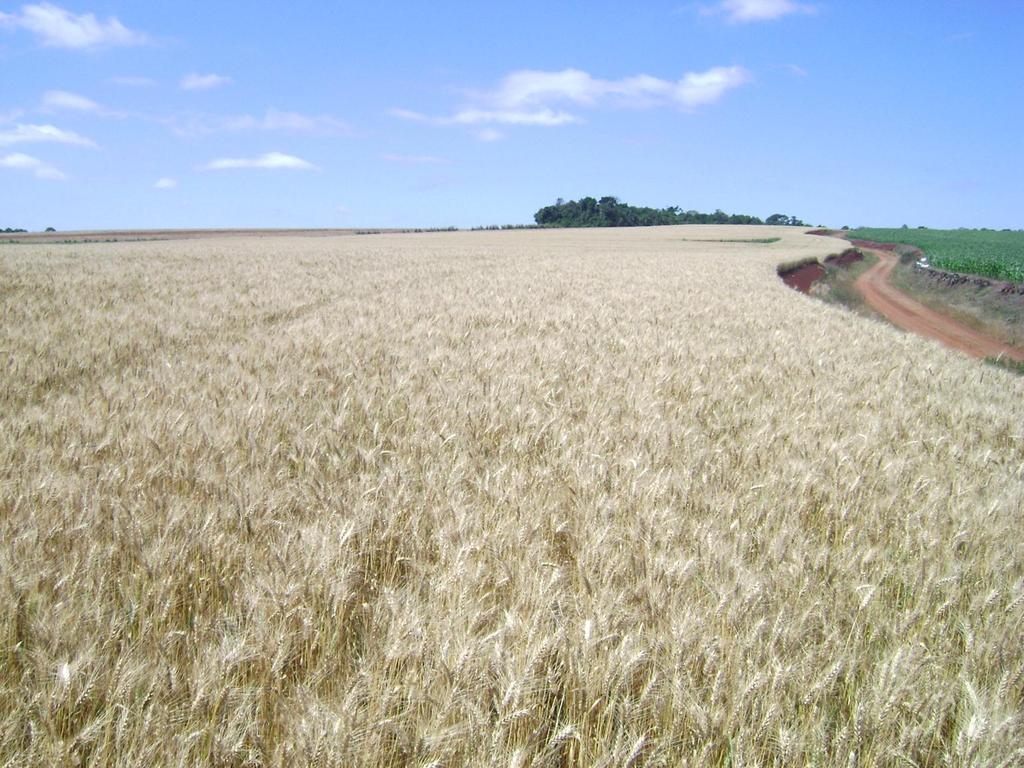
pixel 782 220
pixel 493 227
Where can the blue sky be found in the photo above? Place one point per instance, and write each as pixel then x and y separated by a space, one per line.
pixel 202 114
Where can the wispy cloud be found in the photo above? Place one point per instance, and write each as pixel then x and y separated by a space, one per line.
pixel 196 82
pixel 542 98
pixel 271 120
pixel 276 120
pixel 489 134
pixel 65 100
pixel 31 134
pixel 532 87
pixel 271 161
pixel 548 117
pixel 56 27
pixel 38 168
pixel 416 159
pixel 477 116
pixel 747 11
pixel 408 114
pixel 165 183
pixel 128 81
pixel 699 88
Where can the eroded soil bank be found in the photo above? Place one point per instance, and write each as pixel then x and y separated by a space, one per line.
pixel 845 259
pixel 803 276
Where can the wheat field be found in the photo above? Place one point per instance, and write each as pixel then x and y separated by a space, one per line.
pixel 541 498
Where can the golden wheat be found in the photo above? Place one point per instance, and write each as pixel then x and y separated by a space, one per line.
pixel 539 498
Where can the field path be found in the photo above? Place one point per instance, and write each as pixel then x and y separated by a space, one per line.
pixel 913 316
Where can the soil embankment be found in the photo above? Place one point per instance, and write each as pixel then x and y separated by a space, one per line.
pixel 913 316
pixel 803 277
pixel 845 259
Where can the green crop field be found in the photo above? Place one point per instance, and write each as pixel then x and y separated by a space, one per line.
pixel 973 251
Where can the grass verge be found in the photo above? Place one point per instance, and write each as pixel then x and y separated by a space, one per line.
pixel 837 286
pixel 1007 364
pixel 980 307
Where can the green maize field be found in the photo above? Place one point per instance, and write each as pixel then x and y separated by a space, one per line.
pixel 996 254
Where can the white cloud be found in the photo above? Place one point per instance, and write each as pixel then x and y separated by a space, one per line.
pixel 408 114
pixel 476 116
pixel 54 100
pixel 39 169
pixel 271 120
pixel 537 97
pixel 31 134
pixel 275 120
pixel 699 88
pixel 271 160
pixel 529 88
pixel 197 82
pixel 489 134
pixel 132 82
pixel 745 11
pixel 342 209
pixel 165 183
pixel 546 117
pixel 59 28
pixel 65 101
pixel 415 159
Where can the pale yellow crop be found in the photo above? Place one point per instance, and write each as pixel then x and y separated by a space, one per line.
pixel 534 498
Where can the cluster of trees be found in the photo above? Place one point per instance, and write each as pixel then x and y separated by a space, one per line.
pixel 781 219
pixel 610 212
pixel 11 230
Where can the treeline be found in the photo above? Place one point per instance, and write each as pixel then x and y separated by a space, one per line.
pixel 12 231
pixel 610 212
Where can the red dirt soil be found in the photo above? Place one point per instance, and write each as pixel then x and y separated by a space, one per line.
pixel 802 278
pixel 913 316
pixel 845 259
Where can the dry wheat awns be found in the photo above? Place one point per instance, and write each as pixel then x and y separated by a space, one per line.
pixel 566 498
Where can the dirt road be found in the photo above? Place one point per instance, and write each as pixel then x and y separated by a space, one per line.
pixel 913 316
